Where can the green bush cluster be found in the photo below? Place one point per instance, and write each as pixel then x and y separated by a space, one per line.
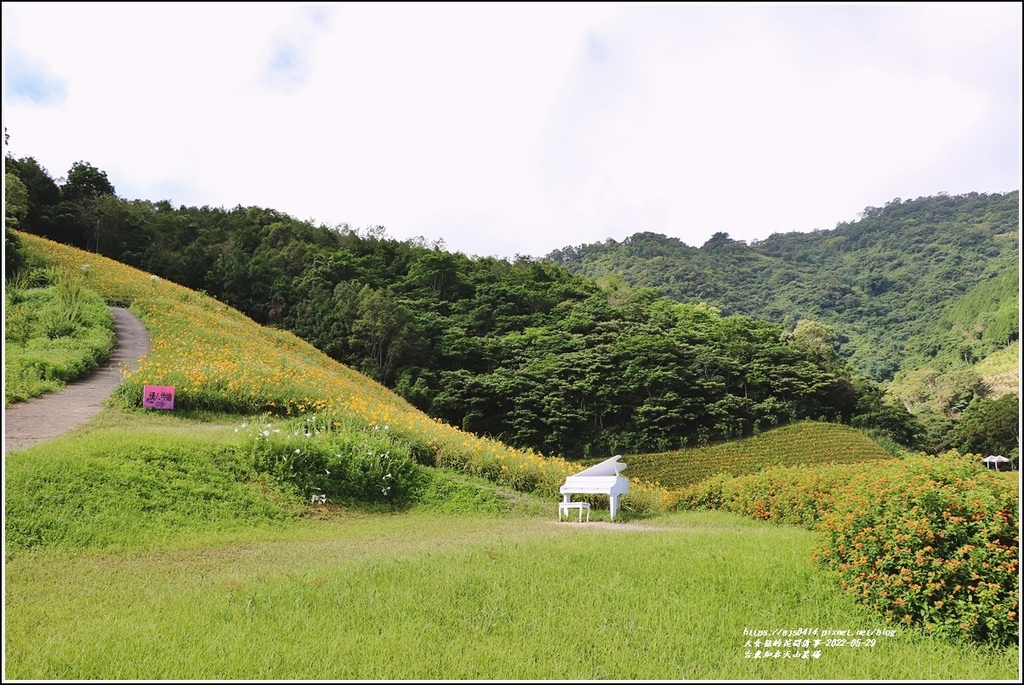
pixel 324 460
pixel 926 541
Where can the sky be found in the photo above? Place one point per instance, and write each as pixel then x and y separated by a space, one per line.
pixel 517 129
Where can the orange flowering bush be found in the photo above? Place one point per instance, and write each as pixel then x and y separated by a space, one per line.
pixel 925 541
pixel 932 542
pixel 794 495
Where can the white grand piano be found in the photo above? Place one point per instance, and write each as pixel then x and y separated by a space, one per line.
pixel 599 479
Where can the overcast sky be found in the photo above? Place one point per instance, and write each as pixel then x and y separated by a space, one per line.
pixel 522 128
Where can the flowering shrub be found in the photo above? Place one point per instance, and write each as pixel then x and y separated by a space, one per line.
pixel 931 542
pixel 926 541
pixel 322 462
pixel 794 495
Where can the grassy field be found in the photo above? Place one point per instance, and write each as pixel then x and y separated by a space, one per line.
pixel 1001 370
pixel 152 545
pixel 470 581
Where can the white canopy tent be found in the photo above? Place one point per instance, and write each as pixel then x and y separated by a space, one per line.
pixel 995 459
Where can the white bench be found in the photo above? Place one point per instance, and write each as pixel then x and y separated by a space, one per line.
pixel 566 506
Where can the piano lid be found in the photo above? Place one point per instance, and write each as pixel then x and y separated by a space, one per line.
pixel 608 467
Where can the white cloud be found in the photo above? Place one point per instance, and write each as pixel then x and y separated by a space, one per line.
pixel 521 128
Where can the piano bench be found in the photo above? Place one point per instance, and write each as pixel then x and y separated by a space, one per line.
pixel 566 506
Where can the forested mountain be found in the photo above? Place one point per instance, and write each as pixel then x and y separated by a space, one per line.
pixel 935 277
pixel 526 351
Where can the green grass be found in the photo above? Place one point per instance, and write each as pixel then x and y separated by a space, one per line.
pixel 806 443
pixel 116 488
pixel 161 561
pixel 144 478
pixel 422 595
pixel 53 335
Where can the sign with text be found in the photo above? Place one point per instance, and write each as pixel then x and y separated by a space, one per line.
pixel 158 397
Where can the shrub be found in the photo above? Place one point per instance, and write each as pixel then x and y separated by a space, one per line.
pixel 794 495
pixel 57 334
pixel 318 459
pixel 925 541
pixel 931 542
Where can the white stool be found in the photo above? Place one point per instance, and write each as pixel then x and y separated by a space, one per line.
pixel 566 506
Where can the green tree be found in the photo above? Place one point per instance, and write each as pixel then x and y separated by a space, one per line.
pixel 383 327
pixel 41 217
pixel 85 181
pixel 990 427
pixel 15 201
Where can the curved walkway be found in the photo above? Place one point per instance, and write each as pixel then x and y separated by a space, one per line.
pixel 56 413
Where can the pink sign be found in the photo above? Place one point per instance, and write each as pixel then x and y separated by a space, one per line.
pixel 158 397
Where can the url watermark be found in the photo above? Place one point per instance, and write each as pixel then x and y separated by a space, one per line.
pixel 807 643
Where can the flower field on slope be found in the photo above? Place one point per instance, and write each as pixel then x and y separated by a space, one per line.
pixel 218 359
pixel 806 443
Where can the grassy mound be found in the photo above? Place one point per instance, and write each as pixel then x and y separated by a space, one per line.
pixel 808 443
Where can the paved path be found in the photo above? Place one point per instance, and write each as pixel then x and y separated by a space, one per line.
pixel 56 413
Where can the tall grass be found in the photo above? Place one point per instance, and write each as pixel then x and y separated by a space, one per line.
pixel 55 331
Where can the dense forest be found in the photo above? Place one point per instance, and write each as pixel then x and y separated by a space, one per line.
pixel 574 364
pixel 884 284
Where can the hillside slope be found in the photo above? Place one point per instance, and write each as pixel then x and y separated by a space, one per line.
pixel 219 360
pixel 881 282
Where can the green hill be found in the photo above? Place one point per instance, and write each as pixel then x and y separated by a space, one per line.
pixel 882 283
pixel 1001 370
pixel 807 444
